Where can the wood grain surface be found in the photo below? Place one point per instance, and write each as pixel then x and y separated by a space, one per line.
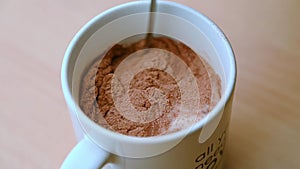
pixel 35 127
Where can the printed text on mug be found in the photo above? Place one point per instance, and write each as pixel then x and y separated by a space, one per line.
pixel 209 158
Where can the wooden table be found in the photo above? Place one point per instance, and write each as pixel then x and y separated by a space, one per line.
pixel 35 127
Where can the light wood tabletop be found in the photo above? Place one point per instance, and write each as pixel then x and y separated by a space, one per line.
pixel 35 126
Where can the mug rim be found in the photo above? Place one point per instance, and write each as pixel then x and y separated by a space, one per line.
pixel 229 88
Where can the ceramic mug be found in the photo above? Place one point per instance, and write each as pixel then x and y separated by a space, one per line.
pixel 199 146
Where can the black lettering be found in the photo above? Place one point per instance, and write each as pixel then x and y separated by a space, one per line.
pixel 220 139
pixel 210 148
pixel 208 160
pixel 199 166
pixel 221 152
pixel 212 164
pixel 200 157
pixel 217 151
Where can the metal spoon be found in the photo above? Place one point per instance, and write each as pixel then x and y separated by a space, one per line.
pixel 151 19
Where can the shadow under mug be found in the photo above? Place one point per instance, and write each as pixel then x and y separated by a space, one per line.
pixel 199 146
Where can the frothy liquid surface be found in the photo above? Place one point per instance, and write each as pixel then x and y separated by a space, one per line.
pixel 149 88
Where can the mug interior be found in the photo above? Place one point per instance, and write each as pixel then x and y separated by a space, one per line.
pixel 171 19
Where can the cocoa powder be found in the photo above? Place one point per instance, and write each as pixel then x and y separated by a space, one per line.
pixel 149 88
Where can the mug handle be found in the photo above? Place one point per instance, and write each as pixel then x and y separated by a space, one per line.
pixel 85 155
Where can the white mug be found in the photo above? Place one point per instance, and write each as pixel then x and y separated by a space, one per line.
pixel 197 147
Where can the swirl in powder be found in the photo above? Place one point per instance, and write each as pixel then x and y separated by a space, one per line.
pixel 149 88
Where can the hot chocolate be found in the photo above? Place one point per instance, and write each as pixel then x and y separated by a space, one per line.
pixel 148 88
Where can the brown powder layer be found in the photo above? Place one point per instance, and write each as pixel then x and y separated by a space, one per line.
pixel 96 97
